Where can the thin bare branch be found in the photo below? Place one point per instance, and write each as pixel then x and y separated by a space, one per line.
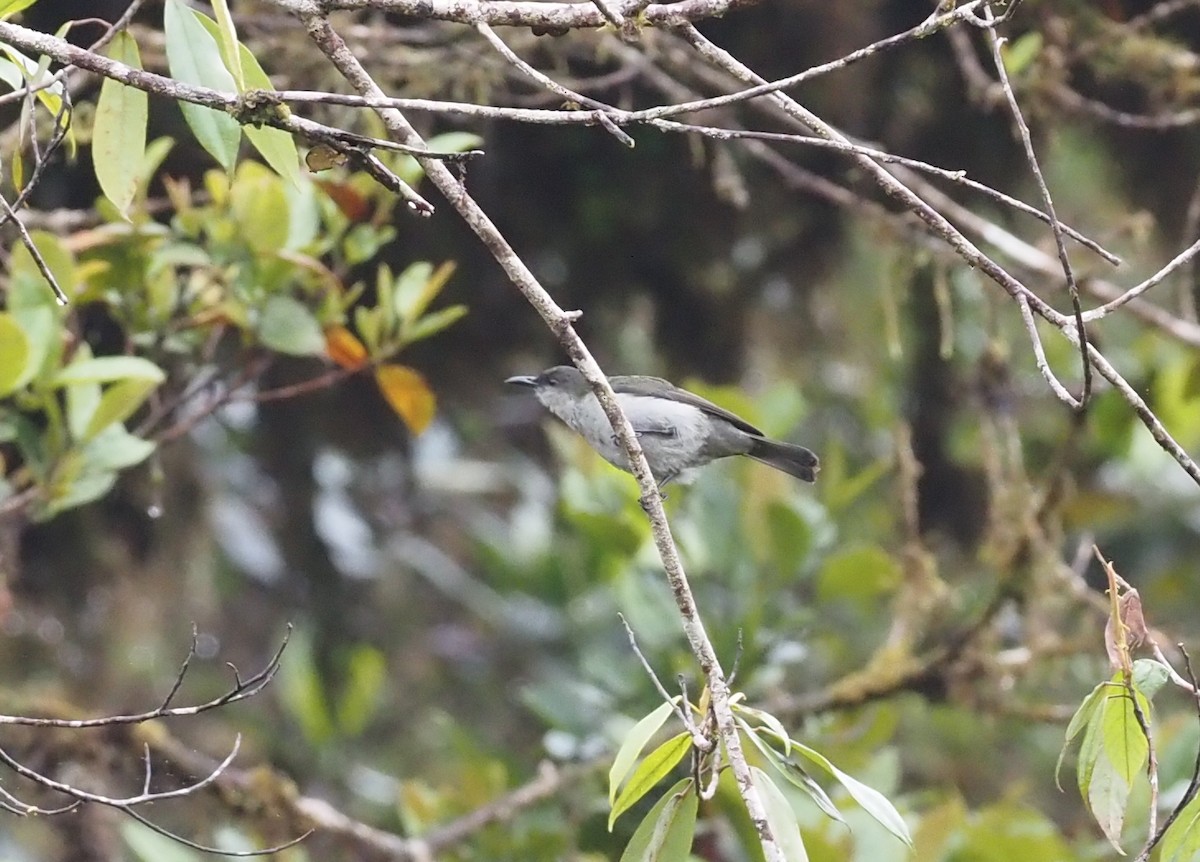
pixel 1022 130
pixel 241 690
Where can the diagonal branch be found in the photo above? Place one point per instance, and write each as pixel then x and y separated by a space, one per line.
pixel 1022 130
pixel 941 227
pixel 560 323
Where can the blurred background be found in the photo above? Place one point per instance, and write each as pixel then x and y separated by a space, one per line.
pixel 920 614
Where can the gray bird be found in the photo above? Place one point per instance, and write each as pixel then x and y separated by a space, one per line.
pixel 677 430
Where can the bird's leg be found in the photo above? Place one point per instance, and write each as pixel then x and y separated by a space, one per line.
pixel 661 483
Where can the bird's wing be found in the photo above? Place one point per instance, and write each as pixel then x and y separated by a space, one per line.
pixel 657 387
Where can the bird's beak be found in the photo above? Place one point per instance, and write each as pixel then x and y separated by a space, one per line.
pixel 523 380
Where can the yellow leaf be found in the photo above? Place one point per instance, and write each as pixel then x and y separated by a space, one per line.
pixel 344 348
pixel 408 394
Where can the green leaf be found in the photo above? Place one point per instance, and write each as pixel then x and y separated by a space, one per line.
pixel 1107 796
pixel 367 671
pixel 369 323
pixel 1149 676
pixel 1125 743
pixel 107 369
pixel 1182 841
pixel 28 285
pixel 862 574
pixel 665 835
pixel 1020 53
pixel 10 73
pixel 770 722
pixel 119 135
pixel 632 746
pixel 227 42
pixel 194 58
pixel 410 295
pixel 260 208
pixel 1122 736
pixel 789 538
pixel 278 150
pixel 38 323
pixel 77 491
pixel 118 403
pixel 1078 722
pixel 289 327
pixel 435 322
pixel 416 287
pixel 276 146
pixel 870 799
pixel 82 401
pixel 657 765
pixel 793 773
pixel 33 74
pixel 780 817
pixel 8 8
pixel 303 693
pixel 115 449
pixel 15 354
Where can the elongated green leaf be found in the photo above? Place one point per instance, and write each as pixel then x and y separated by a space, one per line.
pixel 115 449
pixel 1091 750
pixel 82 401
pixel 768 721
pixel 15 354
pixel 289 327
pixel 8 8
pixel 1078 722
pixel 119 136
pixel 665 835
pixel 276 146
pixel 780 817
pixel 793 773
pixel 78 491
pixel 870 799
pixel 367 673
pixel 194 58
pixel 411 293
pixel 38 323
pixel 107 369
pixel 278 150
pixel 1107 797
pixel 649 772
pixel 632 746
pixel 1182 841
pixel 10 74
pixel 118 403
pixel 1124 740
pixel 434 322
pixel 51 96
pixel 227 42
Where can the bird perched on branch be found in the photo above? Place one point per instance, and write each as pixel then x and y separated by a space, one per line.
pixel 678 430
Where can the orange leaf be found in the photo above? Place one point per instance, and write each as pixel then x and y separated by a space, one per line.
pixel 352 204
pixel 344 349
pixel 408 394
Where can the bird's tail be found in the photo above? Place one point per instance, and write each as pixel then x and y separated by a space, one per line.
pixel 791 459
